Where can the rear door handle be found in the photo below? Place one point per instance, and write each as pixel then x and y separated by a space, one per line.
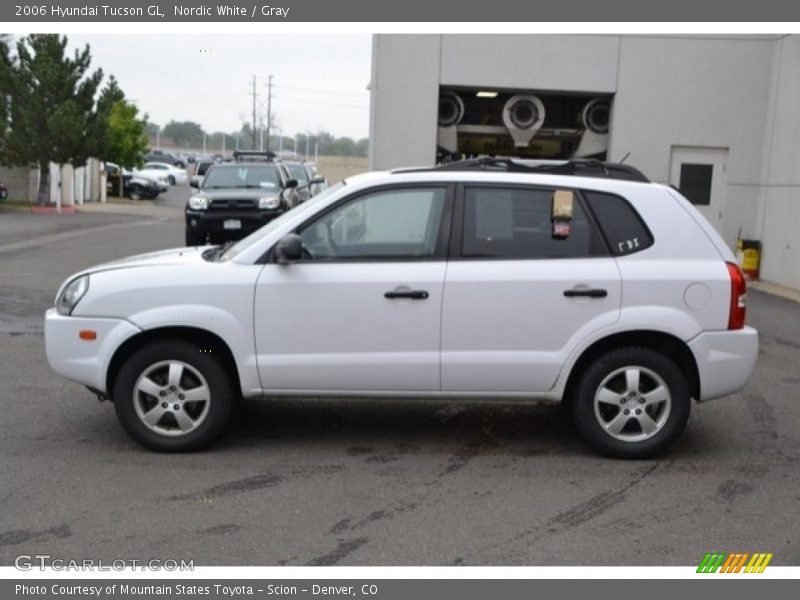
pixel 593 293
pixel 405 293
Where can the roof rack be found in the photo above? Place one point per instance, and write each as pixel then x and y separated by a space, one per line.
pixel 242 155
pixel 581 167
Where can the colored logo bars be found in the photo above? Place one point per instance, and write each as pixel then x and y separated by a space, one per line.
pixel 734 563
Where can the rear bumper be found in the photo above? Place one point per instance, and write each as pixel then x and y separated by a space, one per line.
pixel 725 360
pixel 80 360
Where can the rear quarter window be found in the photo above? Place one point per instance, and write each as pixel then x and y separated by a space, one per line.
pixel 623 228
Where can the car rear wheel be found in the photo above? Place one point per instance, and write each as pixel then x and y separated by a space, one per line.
pixel 136 194
pixel 171 397
pixel 632 403
pixel 171 179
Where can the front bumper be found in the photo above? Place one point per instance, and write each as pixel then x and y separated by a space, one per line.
pixel 212 222
pixel 725 360
pixel 80 360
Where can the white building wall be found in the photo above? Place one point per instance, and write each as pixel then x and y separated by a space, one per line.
pixel 552 62
pixel 404 100
pixel 706 92
pixel 778 221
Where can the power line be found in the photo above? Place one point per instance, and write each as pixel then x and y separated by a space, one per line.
pixel 304 101
pixel 318 91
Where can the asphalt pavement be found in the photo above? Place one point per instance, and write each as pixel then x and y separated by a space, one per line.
pixel 355 482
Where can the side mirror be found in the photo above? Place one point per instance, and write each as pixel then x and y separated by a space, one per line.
pixel 289 249
pixel 195 183
pixel 291 183
pixel 317 180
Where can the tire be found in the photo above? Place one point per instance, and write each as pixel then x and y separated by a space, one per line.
pixel 136 194
pixel 171 179
pixel 178 423
pixel 608 387
pixel 195 238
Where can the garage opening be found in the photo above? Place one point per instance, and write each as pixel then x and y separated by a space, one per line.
pixel 522 123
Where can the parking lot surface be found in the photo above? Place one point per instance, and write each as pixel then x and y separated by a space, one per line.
pixel 388 482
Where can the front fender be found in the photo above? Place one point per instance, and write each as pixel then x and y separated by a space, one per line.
pixel 214 320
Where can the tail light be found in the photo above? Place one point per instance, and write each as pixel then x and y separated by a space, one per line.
pixel 738 308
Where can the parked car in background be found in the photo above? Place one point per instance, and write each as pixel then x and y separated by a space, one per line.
pixel 578 282
pixel 159 176
pixel 135 187
pixel 165 157
pixel 3 191
pixel 201 168
pixel 308 182
pixel 236 198
pixel 173 174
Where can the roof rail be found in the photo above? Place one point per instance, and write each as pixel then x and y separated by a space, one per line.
pixel 582 167
pixel 240 155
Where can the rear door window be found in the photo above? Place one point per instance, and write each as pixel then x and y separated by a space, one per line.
pixel 516 223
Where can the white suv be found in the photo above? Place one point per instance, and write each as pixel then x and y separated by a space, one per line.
pixel 578 282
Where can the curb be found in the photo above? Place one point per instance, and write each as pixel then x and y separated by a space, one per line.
pixel 773 289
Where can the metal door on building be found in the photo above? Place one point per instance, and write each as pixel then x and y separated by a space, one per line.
pixel 699 174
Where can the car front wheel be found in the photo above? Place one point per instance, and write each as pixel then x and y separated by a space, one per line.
pixel 171 396
pixel 632 403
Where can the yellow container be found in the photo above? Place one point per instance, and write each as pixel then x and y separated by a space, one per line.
pixel 749 254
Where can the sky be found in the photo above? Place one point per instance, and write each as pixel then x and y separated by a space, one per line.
pixel 320 81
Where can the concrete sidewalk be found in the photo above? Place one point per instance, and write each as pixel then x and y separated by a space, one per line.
pixel 143 208
pixel 775 290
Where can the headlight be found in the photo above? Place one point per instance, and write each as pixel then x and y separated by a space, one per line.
pixel 198 203
pixel 71 295
pixel 269 202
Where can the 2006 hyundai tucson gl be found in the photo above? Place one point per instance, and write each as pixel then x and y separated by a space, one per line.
pixel 577 282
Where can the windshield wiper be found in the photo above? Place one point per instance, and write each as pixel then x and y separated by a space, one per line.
pixel 216 252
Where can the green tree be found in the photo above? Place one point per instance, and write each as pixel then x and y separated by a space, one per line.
pixel 5 88
pixel 127 140
pixel 186 134
pixel 51 105
pixel 98 128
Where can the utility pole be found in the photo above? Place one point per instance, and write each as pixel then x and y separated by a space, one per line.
pixel 308 137
pixel 269 108
pixel 224 137
pixel 158 138
pixel 255 95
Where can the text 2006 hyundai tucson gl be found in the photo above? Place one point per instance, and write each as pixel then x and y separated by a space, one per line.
pixel 590 286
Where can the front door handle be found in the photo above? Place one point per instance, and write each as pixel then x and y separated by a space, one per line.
pixel 406 293
pixel 588 293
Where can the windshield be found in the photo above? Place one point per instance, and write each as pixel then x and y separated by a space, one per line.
pixel 298 172
pixel 251 239
pixel 243 176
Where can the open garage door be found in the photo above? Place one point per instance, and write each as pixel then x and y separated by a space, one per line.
pixel 525 124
